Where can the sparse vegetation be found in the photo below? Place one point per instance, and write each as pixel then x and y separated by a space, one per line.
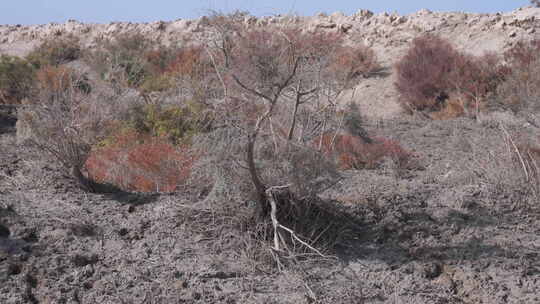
pixel 65 121
pixel 521 90
pixel 55 51
pixel 16 79
pixel 136 162
pixel 246 162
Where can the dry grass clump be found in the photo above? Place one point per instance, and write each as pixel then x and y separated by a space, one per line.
pixel 509 167
pixel 521 90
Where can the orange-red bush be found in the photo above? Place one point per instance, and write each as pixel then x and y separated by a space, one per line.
pixel 141 163
pixel 189 62
pixel 55 78
pixel 352 152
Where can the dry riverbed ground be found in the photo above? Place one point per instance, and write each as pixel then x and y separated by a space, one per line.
pixel 442 232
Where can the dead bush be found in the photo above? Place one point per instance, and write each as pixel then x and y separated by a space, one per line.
pixel 64 121
pixel 279 92
pixel 521 90
pixel 433 70
pixel 510 167
pixel 308 227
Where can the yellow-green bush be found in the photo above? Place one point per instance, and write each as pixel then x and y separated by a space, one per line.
pixel 16 79
pixel 156 83
pixel 55 51
pixel 177 123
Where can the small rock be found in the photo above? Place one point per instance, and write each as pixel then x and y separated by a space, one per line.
pixel 80 260
pixel 345 27
pixel 181 284
pixel 196 296
pixel 14 269
pixel 326 25
pixel 365 13
pixel 4 231
pixel 123 232
pixel 432 270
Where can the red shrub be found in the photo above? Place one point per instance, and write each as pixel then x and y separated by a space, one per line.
pixel 432 70
pixel 139 163
pixel 523 54
pixel 421 72
pixel 353 152
pixel 190 62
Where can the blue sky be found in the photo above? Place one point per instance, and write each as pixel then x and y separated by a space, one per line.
pixel 104 11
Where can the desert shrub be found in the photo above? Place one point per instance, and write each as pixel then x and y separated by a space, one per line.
pixel 220 172
pixel 354 152
pixel 174 122
pixel 530 161
pixel 157 72
pixel 510 167
pixel 156 83
pixel 60 78
pixel 521 89
pixel 121 60
pixel 138 162
pixel 257 164
pixel 433 70
pixel 348 63
pixel 421 72
pixel 353 122
pixel 16 79
pixel 65 121
pixel 192 70
pixel 55 51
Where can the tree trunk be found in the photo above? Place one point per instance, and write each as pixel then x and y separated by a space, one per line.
pixel 293 122
pixel 83 181
pixel 262 204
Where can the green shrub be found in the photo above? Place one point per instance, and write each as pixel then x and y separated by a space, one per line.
pixel 55 51
pixel 176 123
pixel 156 83
pixel 16 79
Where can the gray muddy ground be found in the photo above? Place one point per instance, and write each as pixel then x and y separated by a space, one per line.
pixel 457 228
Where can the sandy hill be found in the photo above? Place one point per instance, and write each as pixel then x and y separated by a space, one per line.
pixel 388 34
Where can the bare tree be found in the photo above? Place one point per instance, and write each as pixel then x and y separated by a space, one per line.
pixel 268 74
